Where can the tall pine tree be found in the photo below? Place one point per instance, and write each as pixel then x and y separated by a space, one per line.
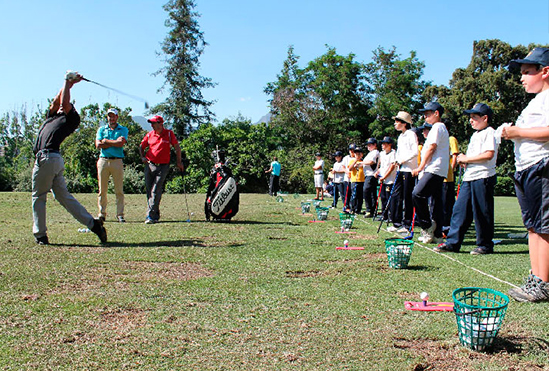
pixel 185 107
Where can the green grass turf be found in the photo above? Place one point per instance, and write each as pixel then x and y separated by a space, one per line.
pixel 265 291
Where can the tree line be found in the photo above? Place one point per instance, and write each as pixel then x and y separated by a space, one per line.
pixel 322 106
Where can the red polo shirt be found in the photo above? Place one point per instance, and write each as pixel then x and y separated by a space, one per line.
pixel 159 146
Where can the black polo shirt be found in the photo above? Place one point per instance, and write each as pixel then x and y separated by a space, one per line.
pixel 55 129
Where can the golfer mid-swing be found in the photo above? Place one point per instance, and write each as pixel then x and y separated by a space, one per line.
pixel 47 174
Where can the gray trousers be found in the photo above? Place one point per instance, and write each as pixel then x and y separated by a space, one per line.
pixel 47 175
pixel 155 175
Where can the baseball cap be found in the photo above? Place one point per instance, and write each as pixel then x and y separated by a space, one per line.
pixel 425 126
pixel 338 154
pixel 352 147
pixel 539 56
pixel 403 116
pixel 113 110
pixel 481 109
pixel 156 120
pixel 432 106
pixel 359 150
pixel 387 140
pixel 371 141
pixel 318 154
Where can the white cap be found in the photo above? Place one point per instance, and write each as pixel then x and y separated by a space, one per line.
pixel 112 110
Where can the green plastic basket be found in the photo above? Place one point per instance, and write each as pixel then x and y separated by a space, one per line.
pixel 305 207
pixel 346 220
pixel 399 252
pixel 322 212
pixel 279 199
pixel 479 315
pixel 316 203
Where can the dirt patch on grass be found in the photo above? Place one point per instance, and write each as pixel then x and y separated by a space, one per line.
pixel 166 270
pixel 312 273
pixel 119 276
pixel 122 320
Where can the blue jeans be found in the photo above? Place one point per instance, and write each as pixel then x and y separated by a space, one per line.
pixel 475 201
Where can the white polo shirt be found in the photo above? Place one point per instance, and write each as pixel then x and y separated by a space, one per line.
pixel 536 114
pixel 438 164
pixel 339 172
pixel 406 153
pixel 345 162
pixel 481 141
pixel 369 170
pixel 385 161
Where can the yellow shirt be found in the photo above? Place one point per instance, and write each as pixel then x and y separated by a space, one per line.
pixel 454 149
pixel 357 175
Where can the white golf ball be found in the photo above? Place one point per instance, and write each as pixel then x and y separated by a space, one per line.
pixel 192 213
pixel 346 242
pixel 424 296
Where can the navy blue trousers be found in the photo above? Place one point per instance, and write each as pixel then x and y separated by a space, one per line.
pixel 475 202
pixel 338 192
pixel 430 185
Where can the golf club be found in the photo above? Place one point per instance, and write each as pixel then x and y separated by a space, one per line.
pixel 411 235
pixel 388 202
pixel 186 203
pixel 459 180
pixel 377 200
pixel 119 92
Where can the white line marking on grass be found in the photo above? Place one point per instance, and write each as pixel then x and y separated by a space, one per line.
pixel 449 257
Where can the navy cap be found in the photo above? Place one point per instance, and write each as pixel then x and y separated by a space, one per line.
pixel 539 56
pixel 371 141
pixel 387 140
pixel 433 106
pixel 425 126
pixel 359 150
pixel 352 147
pixel 481 109
pixel 338 154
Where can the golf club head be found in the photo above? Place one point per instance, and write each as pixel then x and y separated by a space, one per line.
pixel 146 105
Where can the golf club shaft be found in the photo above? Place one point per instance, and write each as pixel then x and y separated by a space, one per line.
pixel 388 202
pixel 116 90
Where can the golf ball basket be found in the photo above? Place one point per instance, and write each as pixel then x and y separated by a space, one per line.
pixel 322 212
pixel 479 315
pixel 346 220
pixel 399 252
pixel 279 199
pixel 305 207
pixel 316 203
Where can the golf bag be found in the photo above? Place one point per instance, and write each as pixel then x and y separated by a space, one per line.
pixel 223 196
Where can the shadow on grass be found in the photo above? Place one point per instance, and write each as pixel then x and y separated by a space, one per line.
pixel 422 268
pixel 518 344
pixel 172 243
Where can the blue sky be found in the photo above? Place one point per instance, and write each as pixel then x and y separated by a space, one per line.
pixel 116 43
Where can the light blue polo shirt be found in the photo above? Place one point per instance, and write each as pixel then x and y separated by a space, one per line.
pixel 105 132
pixel 276 168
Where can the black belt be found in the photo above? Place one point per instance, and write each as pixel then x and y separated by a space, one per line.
pixel 112 158
pixel 152 163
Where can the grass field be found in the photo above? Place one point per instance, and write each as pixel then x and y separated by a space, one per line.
pixel 265 291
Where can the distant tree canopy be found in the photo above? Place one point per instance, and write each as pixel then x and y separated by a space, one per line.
pixel 332 101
